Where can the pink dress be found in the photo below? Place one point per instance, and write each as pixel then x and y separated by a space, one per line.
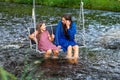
pixel 44 42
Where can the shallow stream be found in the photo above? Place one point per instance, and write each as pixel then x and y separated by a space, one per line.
pixel 96 61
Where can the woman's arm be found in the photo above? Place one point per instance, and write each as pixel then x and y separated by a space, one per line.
pixel 57 33
pixel 72 31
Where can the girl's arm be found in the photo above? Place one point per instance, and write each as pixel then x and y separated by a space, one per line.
pixel 50 37
pixel 33 36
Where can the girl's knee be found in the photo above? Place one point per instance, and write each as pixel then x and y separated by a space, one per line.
pixel 47 54
pixel 55 51
pixel 49 51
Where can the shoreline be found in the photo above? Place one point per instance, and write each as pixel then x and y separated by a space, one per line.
pixel 106 5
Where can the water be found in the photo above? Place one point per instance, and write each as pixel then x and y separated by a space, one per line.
pixel 97 61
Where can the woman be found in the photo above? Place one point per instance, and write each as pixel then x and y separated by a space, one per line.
pixel 44 40
pixel 64 36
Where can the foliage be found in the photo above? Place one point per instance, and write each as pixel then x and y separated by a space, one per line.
pixel 113 5
pixel 4 75
pixel 30 71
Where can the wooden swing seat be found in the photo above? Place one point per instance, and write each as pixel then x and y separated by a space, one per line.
pixel 51 29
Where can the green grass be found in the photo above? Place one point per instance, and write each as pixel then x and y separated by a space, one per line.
pixel 4 75
pixel 111 5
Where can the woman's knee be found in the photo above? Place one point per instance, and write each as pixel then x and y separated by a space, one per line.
pixel 70 47
pixel 76 47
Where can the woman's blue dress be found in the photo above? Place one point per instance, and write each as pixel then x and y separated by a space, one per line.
pixel 60 38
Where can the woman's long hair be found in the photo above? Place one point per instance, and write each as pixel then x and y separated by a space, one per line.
pixel 67 17
pixel 38 26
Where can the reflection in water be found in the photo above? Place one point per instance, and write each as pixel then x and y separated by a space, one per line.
pixel 73 61
pixel 58 67
pixel 58 62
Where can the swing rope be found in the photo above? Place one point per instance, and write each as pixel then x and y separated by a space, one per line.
pixel 34 23
pixel 81 20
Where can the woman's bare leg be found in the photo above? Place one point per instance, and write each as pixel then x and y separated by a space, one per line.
pixel 75 60
pixel 76 51
pixel 69 52
pixel 47 54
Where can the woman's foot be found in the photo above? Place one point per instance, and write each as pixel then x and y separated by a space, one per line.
pixel 69 57
pixel 76 55
pixel 71 61
pixel 75 60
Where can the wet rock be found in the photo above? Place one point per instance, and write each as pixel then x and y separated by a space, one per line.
pixel 113 44
pixel 80 38
pixel 11 46
pixel 111 39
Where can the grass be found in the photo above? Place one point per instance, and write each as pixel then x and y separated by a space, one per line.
pixel 4 75
pixel 111 5
pixel 28 73
pixel 30 70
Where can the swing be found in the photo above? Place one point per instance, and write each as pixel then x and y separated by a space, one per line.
pixel 82 22
pixel 51 28
pixel 33 45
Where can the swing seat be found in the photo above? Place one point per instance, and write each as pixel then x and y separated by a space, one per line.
pixel 50 28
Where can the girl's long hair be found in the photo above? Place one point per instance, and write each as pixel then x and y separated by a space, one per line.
pixel 67 17
pixel 38 26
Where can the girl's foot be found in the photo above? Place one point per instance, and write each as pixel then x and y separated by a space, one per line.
pixel 55 57
pixel 69 57
pixel 46 57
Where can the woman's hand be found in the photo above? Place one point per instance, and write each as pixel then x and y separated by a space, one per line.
pixel 68 24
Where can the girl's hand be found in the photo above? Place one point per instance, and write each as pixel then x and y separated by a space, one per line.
pixel 35 39
pixel 53 36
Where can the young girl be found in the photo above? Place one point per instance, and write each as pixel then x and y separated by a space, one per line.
pixel 44 40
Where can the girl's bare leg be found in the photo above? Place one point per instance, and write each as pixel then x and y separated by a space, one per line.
pixel 69 52
pixel 76 51
pixel 55 53
pixel 47 54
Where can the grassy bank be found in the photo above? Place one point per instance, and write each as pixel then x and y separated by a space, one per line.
pixel 111 5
